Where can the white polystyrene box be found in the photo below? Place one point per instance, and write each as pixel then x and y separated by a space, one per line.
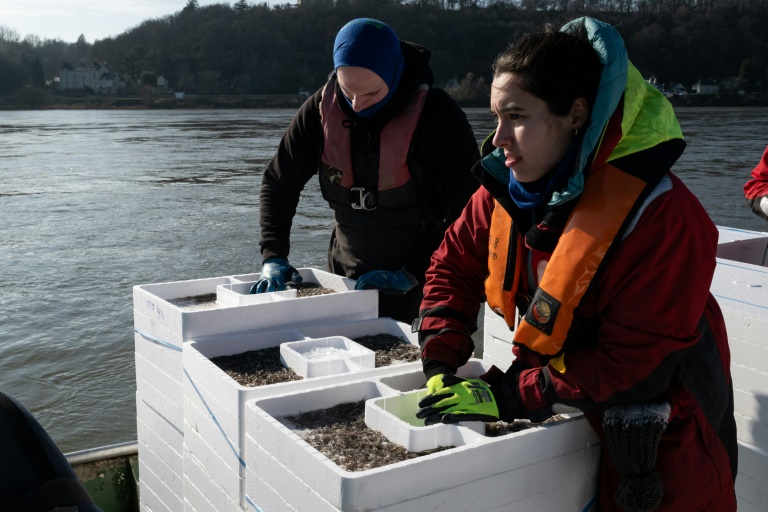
pixel 497 352
pixel 395 417
pixel 746 331
pixel 741 290
pixel 745 246
pixel 742 287
pixel 195 501
pixel 148 500
pixel 202 491
pixel 204 439
pixel 149 386
pixel 163 393
pixel 497 340
pixel 310 275
pixel 163 322
pixel 216 394
pixel 266 428
pixel 520 490
pixel 365 327
pixel 320 357
pixel 238 294
pixel 749 369
pixel 165 358
pixel 154 301
pixel 752 480
pixel 162 326
pixel 285 492
pixel 160 449
pixel 205 381
pixel 728 234
pixel 162 437
pixel 286 497
pixel 157 477
pixel 495 325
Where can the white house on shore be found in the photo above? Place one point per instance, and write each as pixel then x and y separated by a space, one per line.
pixel 707 87
pixel 89 76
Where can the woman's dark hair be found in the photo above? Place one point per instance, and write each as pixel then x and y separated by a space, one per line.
pixel 557 67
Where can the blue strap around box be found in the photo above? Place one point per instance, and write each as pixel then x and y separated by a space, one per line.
pixel 213 417
pixel 157 341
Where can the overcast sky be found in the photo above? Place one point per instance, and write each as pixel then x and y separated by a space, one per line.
pixel 95 19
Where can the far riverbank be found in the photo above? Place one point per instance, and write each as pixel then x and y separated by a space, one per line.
pixel 38 100
pixel 44 100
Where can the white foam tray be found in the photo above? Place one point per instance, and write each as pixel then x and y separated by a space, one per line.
pixel 330 355
pixel 395 417
pixel 238 294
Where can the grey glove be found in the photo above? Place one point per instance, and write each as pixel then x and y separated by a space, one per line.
pixel 632 434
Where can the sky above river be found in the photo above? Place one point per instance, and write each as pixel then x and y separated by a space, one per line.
pixel 94 19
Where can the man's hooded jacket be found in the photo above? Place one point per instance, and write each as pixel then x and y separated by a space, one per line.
pixel 443 150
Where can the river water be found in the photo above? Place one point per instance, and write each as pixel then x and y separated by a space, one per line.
pixel 95 202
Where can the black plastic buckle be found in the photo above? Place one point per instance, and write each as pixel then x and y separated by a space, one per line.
pixel 362 200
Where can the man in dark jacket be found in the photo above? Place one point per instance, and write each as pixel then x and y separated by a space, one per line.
pixel 393 156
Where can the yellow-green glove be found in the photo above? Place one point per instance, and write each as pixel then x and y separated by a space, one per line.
pixel 452 399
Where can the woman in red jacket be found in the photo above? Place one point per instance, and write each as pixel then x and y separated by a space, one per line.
pixel 756 189
pixel 600 261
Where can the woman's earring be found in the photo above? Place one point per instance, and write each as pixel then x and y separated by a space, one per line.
pixel 576 133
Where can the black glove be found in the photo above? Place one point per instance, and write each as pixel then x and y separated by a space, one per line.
pixel 632 434
pixel 504 387
pixel 395 282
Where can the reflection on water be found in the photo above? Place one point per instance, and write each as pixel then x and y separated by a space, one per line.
pixel 95 202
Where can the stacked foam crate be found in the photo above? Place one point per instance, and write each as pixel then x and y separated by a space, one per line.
pixel 238 452
pixel 547 467
pixel 741 288
pixel 201 462
pixel 163 321
pixel 497 340
pixel 215 467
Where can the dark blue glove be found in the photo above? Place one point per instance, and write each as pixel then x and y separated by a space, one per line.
pixel 395 282
pixel 274 274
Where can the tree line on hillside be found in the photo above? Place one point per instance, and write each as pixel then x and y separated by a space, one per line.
pixel 246 48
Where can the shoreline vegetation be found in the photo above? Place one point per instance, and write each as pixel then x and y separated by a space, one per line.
pixel 252 55
pixel 44 100
pixel 159 102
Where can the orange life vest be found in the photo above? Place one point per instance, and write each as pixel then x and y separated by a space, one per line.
pixel 597 221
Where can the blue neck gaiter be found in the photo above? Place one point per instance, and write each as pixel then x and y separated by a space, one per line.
pixel 530 195
pixel 370 44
